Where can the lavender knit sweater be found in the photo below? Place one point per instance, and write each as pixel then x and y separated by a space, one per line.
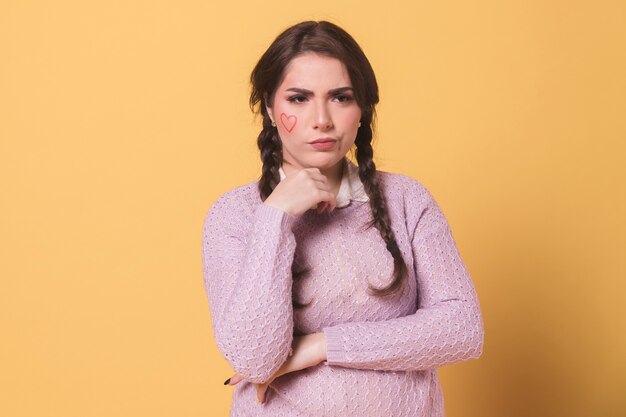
pixel 382 353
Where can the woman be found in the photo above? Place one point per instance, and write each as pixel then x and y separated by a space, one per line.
pixel 335 290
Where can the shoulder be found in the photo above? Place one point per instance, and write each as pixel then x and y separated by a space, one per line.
pixel 400 187
pixel 235 203
pixel 409 200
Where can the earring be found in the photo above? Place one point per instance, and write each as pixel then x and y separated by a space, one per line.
pixel 273 123
pixel 359 124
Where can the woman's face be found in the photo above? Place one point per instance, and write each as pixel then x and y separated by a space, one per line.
pixel 315 102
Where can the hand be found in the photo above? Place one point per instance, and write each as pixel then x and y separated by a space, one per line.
pixel 308 350
pixel 303 190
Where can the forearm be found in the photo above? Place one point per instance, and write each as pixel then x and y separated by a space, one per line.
pixel 432 337
pixel 249 284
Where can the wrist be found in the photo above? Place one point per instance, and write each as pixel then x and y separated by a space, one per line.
pixel 270 203
pixel 321 346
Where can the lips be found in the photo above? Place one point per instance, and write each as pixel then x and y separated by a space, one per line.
pixel 324 140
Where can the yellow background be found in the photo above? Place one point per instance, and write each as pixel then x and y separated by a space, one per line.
pixel 122 121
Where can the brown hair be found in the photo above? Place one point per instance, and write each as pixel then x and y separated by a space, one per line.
pixel 327 39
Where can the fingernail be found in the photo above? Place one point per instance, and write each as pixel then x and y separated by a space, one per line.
pixel 227 381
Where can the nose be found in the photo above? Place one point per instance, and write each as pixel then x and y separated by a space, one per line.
pixel 322 119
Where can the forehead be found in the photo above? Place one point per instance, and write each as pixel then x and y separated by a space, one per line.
pixel 313 70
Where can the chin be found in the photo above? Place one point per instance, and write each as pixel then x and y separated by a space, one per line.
pixel 325 161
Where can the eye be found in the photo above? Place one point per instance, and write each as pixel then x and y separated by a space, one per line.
pixel 343 98
pixel 297 99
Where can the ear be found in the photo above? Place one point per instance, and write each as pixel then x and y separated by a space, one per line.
pixel 268 109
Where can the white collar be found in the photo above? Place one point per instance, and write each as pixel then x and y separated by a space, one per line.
pixel 351 187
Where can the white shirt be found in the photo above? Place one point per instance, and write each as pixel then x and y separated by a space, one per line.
pixel 351 187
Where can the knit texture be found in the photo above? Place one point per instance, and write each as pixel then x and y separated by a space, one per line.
pixel 382 352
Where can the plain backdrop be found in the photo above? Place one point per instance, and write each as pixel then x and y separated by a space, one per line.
pixel 122 121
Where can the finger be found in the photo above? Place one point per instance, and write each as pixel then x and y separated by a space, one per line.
pixel 233 379
pixel 321 206
pixel 330 200
pixel 315 174
pixel 260 393
pixel 310 173
pixel 329 204
pixel 321 183
pixel 322 198
pixel 312 170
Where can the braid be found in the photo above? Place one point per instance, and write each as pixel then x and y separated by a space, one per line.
pixel 270 147
pixel 271 154
pixel 380 216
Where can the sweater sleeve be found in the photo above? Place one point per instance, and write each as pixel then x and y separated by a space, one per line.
pixel 446 328
pixel 247 255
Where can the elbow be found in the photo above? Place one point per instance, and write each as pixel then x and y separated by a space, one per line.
pixel 468 333
pixel 253 361
pixel 262 369
pixel 476 337
pixel 260 377
pixel 476 347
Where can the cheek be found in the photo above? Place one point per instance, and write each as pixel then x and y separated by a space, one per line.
pixel 287 120
pixel 351 116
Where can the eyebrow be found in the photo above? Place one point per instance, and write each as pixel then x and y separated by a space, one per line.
pixel 332 92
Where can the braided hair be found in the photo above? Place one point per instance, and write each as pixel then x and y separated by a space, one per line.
pixel 327 39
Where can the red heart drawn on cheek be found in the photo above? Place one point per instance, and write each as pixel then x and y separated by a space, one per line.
pixel 288 121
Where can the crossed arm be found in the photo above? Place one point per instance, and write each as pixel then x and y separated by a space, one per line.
pixel 247 259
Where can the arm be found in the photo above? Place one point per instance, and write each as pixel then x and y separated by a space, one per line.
pixel 447 327
pixel 247 255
